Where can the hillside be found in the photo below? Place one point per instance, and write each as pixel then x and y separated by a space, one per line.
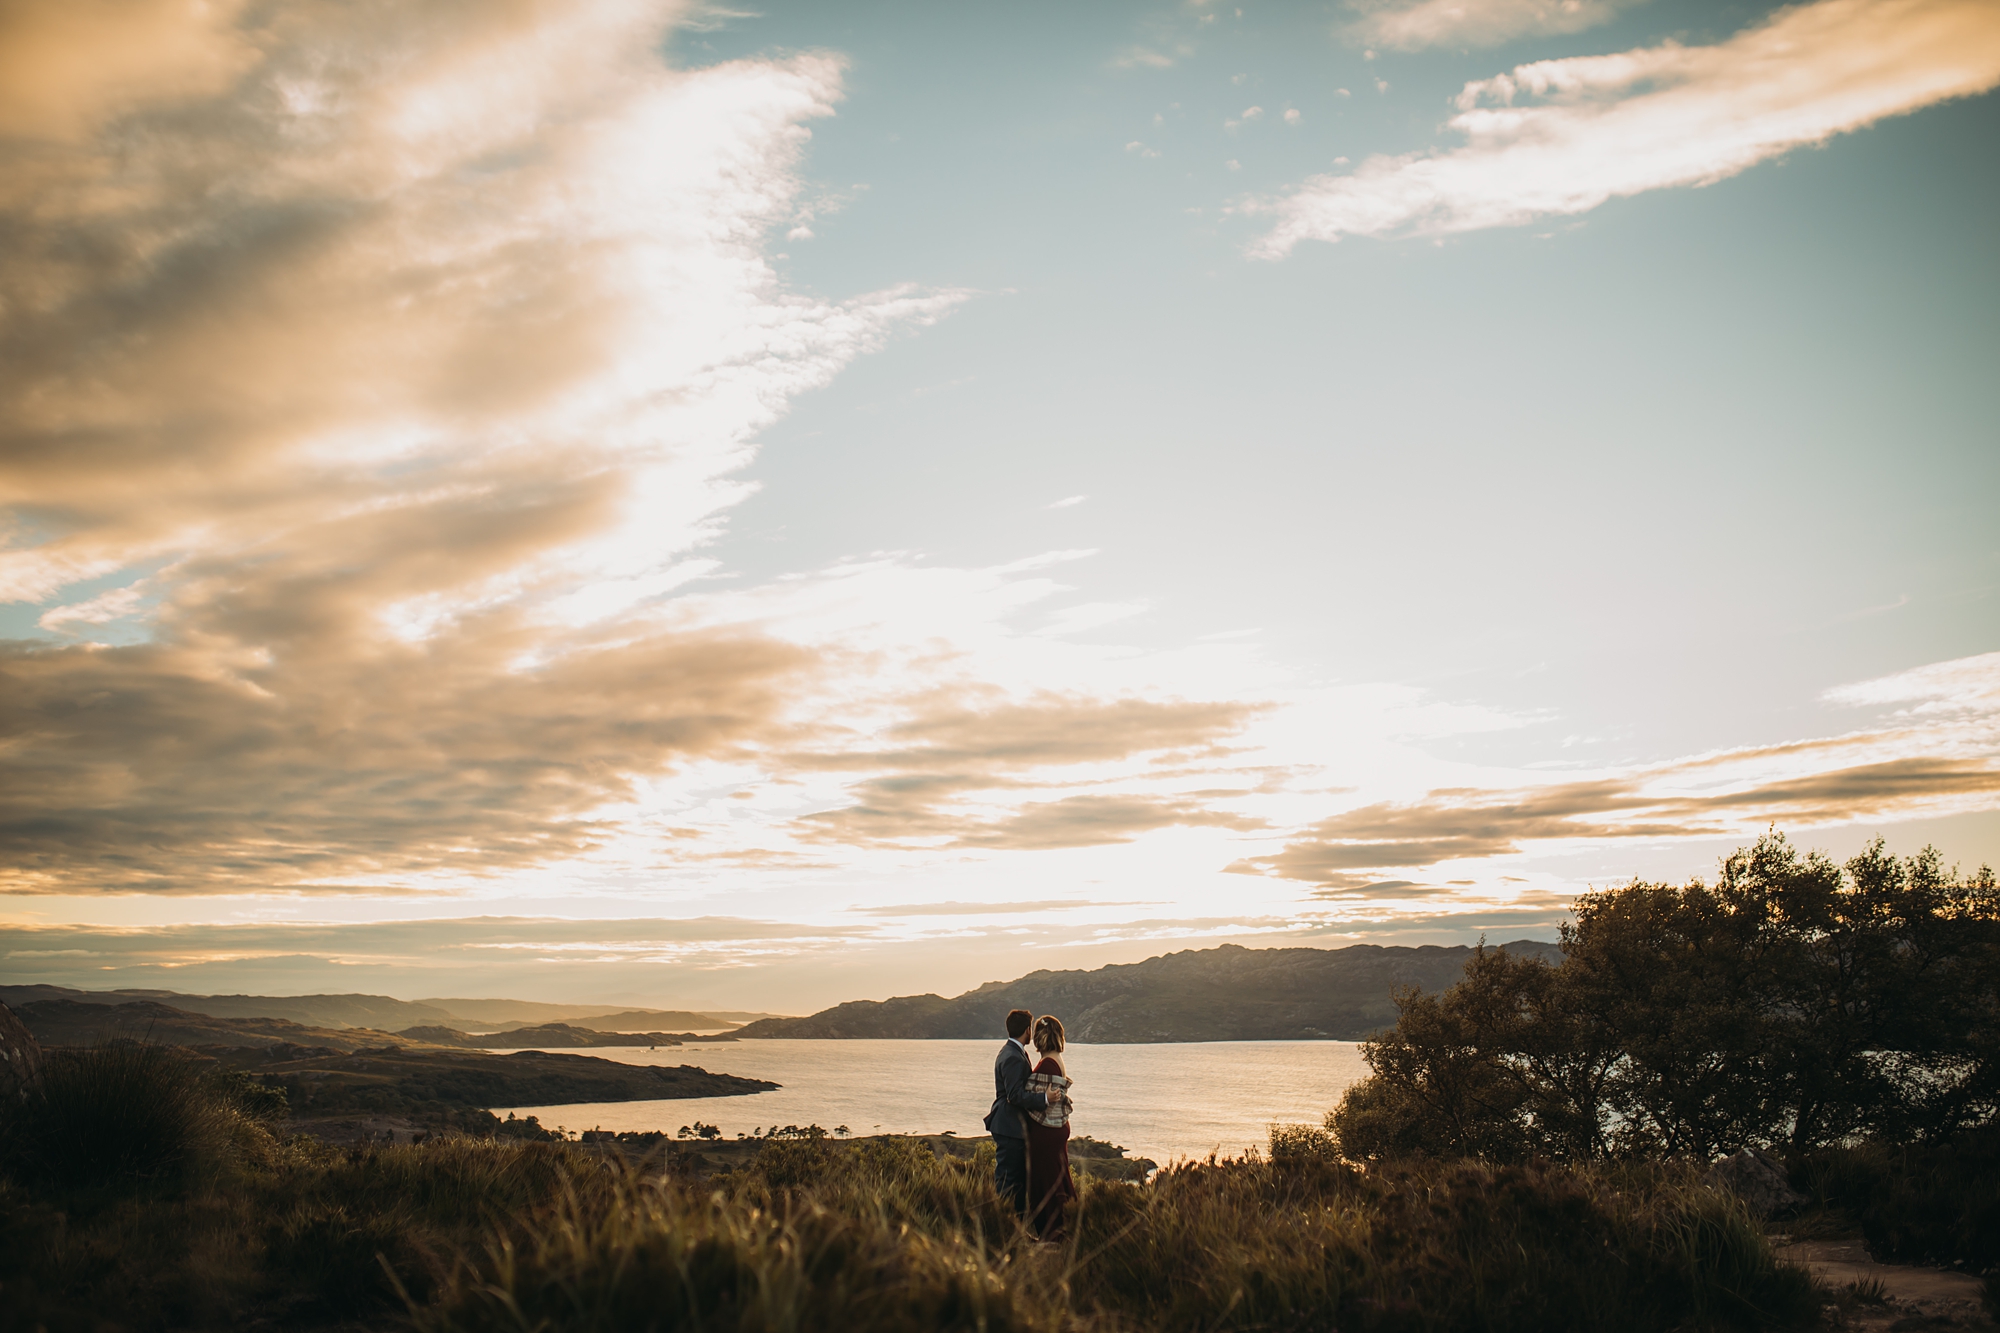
pixel 76 1023
pixel 1223 994
pixel 379 1012
pixel 382 1013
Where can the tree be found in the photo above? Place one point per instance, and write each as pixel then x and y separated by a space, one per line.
pixel 1682 976
pixel 1794 1001
pixel 1441 1087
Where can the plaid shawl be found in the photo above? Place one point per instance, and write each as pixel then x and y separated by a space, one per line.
pixel 1056 1087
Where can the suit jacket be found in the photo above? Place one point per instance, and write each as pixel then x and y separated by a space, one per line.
pixel 1011 1095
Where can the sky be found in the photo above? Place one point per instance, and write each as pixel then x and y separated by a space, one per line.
pixel 764 505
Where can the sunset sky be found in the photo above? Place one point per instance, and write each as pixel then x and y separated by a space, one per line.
pixel 678 505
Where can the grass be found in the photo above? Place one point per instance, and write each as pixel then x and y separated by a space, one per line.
pixel 814 1237
pixel 207 1219
pixel 121 1112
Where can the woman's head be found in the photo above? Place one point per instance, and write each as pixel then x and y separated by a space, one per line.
pixel 1048 1034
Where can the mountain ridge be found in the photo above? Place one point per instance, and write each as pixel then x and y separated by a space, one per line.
pixel 1228 993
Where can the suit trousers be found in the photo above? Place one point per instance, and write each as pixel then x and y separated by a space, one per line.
pixel 1010 1170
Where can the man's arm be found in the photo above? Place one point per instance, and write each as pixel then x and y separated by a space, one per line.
pixel 1014 1086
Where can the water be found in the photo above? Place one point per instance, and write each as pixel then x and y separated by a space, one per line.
pixel 1159 1101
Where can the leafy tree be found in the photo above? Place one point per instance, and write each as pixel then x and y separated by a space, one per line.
pixel 1441 1085
pixel 1794 1001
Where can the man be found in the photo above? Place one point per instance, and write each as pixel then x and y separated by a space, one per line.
pixel 1011 1099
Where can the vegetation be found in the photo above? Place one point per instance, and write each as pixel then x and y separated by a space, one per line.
pixel 1936 1204
pixel 1845 1017
pixel 1795 1004
pixel 816 1234
pixel 1528 1155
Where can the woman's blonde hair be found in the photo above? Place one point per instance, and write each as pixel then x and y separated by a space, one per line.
pixel 1049 1035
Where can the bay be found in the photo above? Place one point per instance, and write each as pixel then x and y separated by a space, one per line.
pixel 1164 1101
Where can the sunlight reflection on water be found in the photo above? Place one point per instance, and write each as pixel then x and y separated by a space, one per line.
pixel 1159 1101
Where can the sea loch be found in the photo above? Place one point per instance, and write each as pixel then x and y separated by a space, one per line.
pixel 1159 1101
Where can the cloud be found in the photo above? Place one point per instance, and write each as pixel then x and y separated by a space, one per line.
pixel 1967 685
pixel 1092 821
pixel 1361 888
pixel 66 65
pixel 950 733
pixel 987 909
pixel 494 954
pixel 1163 47
pixel 397 357
pixel 954 774
pixel 1412 25
pixel 159 767
pixel 384 371
pixel 1563 136
pixel 1454 825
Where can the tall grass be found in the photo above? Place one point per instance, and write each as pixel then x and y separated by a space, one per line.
pixel 665 1257
pixel 142 1190
pixel 197 1217
pixel 813 1238
pixel 117 1113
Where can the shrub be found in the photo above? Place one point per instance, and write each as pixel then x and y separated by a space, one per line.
pixel 250 1097
pixel 1303 1143
pixel 1297 1243
pixel 117 1114
pixel 1918 1204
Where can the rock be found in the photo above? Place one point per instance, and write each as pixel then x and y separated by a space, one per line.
pixel 1758 1179
pixel 20 1059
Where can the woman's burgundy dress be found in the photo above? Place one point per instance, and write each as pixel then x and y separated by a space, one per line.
pixel 1050 1185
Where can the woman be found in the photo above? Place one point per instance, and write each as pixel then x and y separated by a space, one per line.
pixel 1050 1185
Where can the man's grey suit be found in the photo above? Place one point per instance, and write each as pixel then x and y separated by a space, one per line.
pixel 1010 1137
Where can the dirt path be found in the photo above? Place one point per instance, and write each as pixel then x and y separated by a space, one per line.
pixel 1916 1298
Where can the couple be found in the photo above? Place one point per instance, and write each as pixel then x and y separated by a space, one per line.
pixel 1030 1122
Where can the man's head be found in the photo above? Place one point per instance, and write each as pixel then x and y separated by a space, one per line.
pixel 1018 1023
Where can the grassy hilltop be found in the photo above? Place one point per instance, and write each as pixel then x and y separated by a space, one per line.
pixel 145 1193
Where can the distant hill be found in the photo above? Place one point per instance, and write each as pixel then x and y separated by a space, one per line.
pixel 655 1020
pixel 384 1014
pixel 490 1014
pixel 1223 994
pixel 76 1023
pixel 560 1035
pixel 326 1011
